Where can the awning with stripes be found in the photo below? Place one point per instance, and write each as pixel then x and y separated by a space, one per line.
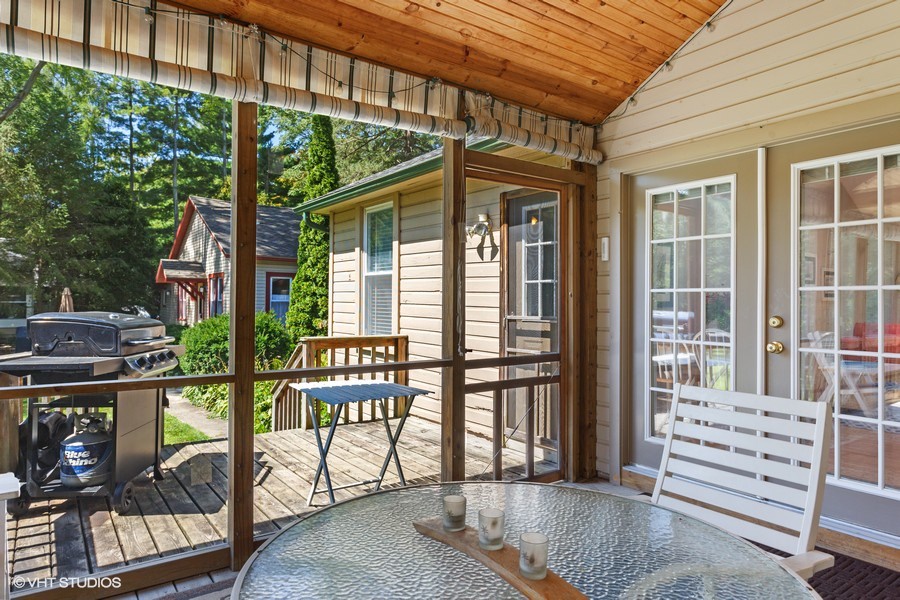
pixel 160 43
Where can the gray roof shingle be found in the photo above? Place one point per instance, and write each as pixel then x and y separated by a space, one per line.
pixel 277 227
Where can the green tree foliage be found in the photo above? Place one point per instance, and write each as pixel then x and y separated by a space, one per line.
pixel 308 311
pixel 95 171
pixel 61 224
pixel 364 149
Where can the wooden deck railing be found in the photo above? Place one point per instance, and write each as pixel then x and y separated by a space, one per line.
pixel 289 409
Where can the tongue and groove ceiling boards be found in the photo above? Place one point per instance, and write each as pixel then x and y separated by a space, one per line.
pixel 537 73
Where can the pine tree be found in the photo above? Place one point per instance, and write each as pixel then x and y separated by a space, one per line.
pixel 308 311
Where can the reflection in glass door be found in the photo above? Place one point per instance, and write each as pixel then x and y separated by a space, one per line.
pixel 690 300
pixel 848 306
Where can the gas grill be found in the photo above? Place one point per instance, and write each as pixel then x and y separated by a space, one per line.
pixel 93 347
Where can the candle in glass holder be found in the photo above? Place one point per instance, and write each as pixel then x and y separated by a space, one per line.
pixel 454 513
pixel 490 528
pixel 533 555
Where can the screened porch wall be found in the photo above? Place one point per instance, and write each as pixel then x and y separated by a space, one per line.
pixel 418 273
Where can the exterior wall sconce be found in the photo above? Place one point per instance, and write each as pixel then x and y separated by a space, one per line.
pixel 482 228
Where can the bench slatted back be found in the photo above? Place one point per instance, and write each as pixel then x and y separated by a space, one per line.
pixel 745 463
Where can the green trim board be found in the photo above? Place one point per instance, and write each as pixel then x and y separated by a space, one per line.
pixel 421 165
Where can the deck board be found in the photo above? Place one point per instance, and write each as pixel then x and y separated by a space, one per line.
pixel 187 510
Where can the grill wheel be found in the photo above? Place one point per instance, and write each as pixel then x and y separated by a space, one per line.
pixel 123 498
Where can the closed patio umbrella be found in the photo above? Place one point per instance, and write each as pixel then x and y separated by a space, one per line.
pixel 66 304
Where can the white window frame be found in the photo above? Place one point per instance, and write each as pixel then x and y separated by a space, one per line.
pixel 879 221
pixel 649 339
pixel 540 282
pixel 271 296
pixel 366 274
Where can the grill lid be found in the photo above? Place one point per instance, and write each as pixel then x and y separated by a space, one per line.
pixel 94 334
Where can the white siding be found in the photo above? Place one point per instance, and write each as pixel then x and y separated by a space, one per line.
pixel 344 280
pixel 263 268
pixel 199 245
pixel 764 62
pixel 603 330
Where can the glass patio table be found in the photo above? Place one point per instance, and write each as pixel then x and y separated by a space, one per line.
pixel 604 545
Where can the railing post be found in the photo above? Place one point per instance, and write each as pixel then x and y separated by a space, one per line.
pixel 498 435
pixel 529 433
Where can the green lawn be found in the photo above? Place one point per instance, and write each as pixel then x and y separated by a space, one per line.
pixel 178 432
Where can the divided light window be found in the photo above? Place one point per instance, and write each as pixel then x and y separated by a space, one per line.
pixel 378 270
pixel 216 294
pixel 690 300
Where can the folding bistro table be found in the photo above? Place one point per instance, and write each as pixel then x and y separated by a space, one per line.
pixel 341 393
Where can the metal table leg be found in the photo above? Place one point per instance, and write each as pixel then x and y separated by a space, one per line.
pixel 323 450
pixel 392 441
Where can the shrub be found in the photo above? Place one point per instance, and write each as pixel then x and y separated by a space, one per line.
pixel 176 331
pixel 206 343
pixel 214 398
pixel 206 351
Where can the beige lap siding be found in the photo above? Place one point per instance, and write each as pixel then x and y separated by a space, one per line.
pixel 344 313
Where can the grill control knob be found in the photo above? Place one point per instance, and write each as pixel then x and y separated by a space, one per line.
pixel 170 355
pixel 141 362
pixel 151 359
pixel 162 357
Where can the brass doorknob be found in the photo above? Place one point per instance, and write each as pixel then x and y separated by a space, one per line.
pixel 776 321
pixel 774 347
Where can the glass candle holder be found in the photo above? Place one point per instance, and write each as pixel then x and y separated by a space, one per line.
pixel 533 555
pixel 491 525
pixel 454 513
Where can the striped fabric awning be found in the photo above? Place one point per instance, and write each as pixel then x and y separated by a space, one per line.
pixel 160 43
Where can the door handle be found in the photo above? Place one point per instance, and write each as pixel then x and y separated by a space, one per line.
pixel 774 347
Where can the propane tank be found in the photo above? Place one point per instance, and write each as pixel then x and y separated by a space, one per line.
pixel 85 455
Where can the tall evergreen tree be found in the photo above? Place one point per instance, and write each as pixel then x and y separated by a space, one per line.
pixel 308 311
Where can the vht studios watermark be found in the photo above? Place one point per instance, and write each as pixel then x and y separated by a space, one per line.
pixel 82 583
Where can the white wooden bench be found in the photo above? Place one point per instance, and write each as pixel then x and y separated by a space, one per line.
pixel 753 465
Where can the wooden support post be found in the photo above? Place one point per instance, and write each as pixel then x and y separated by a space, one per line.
pixel 529 431
pixel 10 417
pixel 242 342
pixel 453 397
pixel 581 324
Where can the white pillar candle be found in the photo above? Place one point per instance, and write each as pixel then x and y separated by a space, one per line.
pixel 533 555
pixel 454 513
pixel 491 524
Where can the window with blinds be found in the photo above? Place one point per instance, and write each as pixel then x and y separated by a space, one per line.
pixel 378 271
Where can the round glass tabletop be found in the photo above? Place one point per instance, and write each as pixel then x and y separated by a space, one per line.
pixel 606 546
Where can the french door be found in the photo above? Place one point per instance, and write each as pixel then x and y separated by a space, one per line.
pixel 794 292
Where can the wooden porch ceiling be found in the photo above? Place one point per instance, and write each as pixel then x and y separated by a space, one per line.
pixel 575 59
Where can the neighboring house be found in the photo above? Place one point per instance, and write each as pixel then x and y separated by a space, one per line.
pixel 196 277
pixel 386 268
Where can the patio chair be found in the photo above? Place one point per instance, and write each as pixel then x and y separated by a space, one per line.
pixel 753 465
pixel 859 379
pixel 717 368
pixel 675 363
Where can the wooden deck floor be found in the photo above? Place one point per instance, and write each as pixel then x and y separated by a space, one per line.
pixel 186 510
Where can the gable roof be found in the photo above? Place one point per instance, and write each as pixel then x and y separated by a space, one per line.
pixel 277 228
pixel 420 165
